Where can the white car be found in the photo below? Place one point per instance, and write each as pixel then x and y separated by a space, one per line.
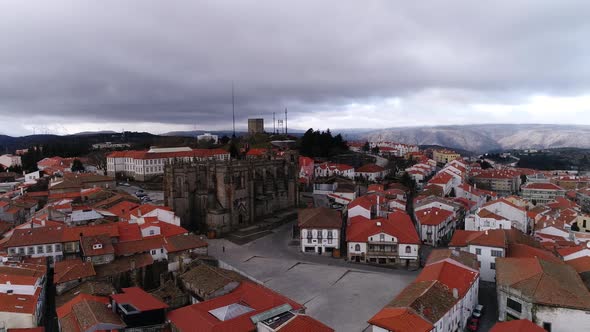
pixel 478 311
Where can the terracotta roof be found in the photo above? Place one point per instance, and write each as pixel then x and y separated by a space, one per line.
pixel 433 216
pixel 581 264
pixel 304 323
pixel 571 250
pixel 123 208
pixel 541 186
pixel 490 238
pixel 505 201
pixel 400 320
pixel 398 224
pixel 485 213
pixel 526 251
pixel 25 304
pixel 102 241
pixel 97 288
pixel 128 231
pixel 249 294
pixel 370 168
pixel 72 269
pixel 209 279
pixel 32 329
pixel 183 242
pixel 547 283
pixel 85 312
pixel 139 298
pixel 520 325
pixel 450 274
pixel 139 246
pixel 465 258
pixel 319 218
pixel 441 178
pixel 362 201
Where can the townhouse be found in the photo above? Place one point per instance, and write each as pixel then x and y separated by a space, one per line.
pixel 550 294
pixel 144 165
pixel 333 169
pixel 499 214
pixel 371 172
pixel 22 294
pixel 541 193
pixel 320 230
pixel 9 160
pixel 385 241
pixel 486 245
pixel 444 156
pixel 503 181
pixel 435 225
pixel 440 299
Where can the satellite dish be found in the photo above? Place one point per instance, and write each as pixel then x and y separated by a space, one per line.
pixel 588 244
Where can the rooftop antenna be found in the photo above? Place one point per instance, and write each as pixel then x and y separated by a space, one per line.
pixel 285 121
pixel 274 129
pixel 233 109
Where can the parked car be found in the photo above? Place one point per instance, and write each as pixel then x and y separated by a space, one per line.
pixel 473 324
pixel 139 192
pixel 146 198
pixel 478 311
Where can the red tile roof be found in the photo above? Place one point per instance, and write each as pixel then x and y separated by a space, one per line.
pixel 19 303
pixel 400 320
pixel 581 264
pixel 370 168
pixel 518 250
pixel 72 269
pixel 362 201
pixel 441 178
pixel 304 323
pixel 183 242
pixel 450 274
pixel 139 246
pixel 521 325
pixel 398 224
pixel 433 216
pixel 247 294
pixel 139 299
pixel 541 186
pixel 490 238
pixel 123 208
pixel 321 217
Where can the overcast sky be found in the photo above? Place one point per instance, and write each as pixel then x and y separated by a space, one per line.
pixel 70 66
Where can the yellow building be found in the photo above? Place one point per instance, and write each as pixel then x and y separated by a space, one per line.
pixel 444 156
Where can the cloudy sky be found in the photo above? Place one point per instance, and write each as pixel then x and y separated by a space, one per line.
pixel 70 66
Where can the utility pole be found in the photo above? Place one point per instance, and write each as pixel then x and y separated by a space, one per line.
pixel 274 129
pixel 233 110
pixel 285 121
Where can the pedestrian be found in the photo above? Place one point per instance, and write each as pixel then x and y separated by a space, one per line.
pixel 223 248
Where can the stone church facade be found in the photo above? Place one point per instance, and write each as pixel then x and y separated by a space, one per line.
pixel 226 195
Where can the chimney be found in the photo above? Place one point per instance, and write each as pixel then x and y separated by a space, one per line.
pixel 486 232
pixel 456 293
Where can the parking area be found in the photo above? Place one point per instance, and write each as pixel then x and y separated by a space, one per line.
pixel 340 294
pixel 156 197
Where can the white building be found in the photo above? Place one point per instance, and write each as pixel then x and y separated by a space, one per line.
pixel 448 284
pixel 143 165
pixel 371 172
pixel 22 294
pixel 542 193
pixel 385 241
pixel 499 214
pixel 320 230
pixel 435 225
pixel 486 245
pixel 208 137
pixel 9 160
pixel 550 294
pixel 331 169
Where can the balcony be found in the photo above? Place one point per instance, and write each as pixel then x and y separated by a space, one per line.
pixel 382 253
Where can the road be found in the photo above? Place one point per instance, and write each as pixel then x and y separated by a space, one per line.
pixel 341 294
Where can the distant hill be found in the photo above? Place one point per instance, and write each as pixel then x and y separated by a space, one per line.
pixel 484 138
pixel 87 133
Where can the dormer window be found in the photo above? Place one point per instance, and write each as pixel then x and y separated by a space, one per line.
pixel 97 246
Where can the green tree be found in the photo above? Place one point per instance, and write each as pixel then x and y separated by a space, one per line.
pixel 77 166
pixel 366 147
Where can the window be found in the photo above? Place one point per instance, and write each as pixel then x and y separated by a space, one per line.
pixel 12 251
pixel 31 250
pixel 496 253
pixel 510 303
pixel 40 249
pixel 58 247
pixel 478 251
pixel 21 251
pixel 493 266
pixel 382 237
pixel 162 250
pixel 152 232
pixel 547 326
pixel 357 247
pixel 319 235
pixel 408 249
pixel 309 236
pixel 49 248
pixel 153 251
pixel 330 237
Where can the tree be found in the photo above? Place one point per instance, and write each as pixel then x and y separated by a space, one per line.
pixel 523 178
pixel 233 149
pixel 575 227
pixel 366 147
pixel 375 150
pixel 77 166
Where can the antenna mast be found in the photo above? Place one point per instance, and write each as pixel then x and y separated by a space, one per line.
pixel 233 109
pixel 285 121
pixel 274 129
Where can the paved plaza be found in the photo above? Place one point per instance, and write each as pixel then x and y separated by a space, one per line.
pixel 341 294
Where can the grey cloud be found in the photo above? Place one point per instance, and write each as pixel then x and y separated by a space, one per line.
pixel 173 62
